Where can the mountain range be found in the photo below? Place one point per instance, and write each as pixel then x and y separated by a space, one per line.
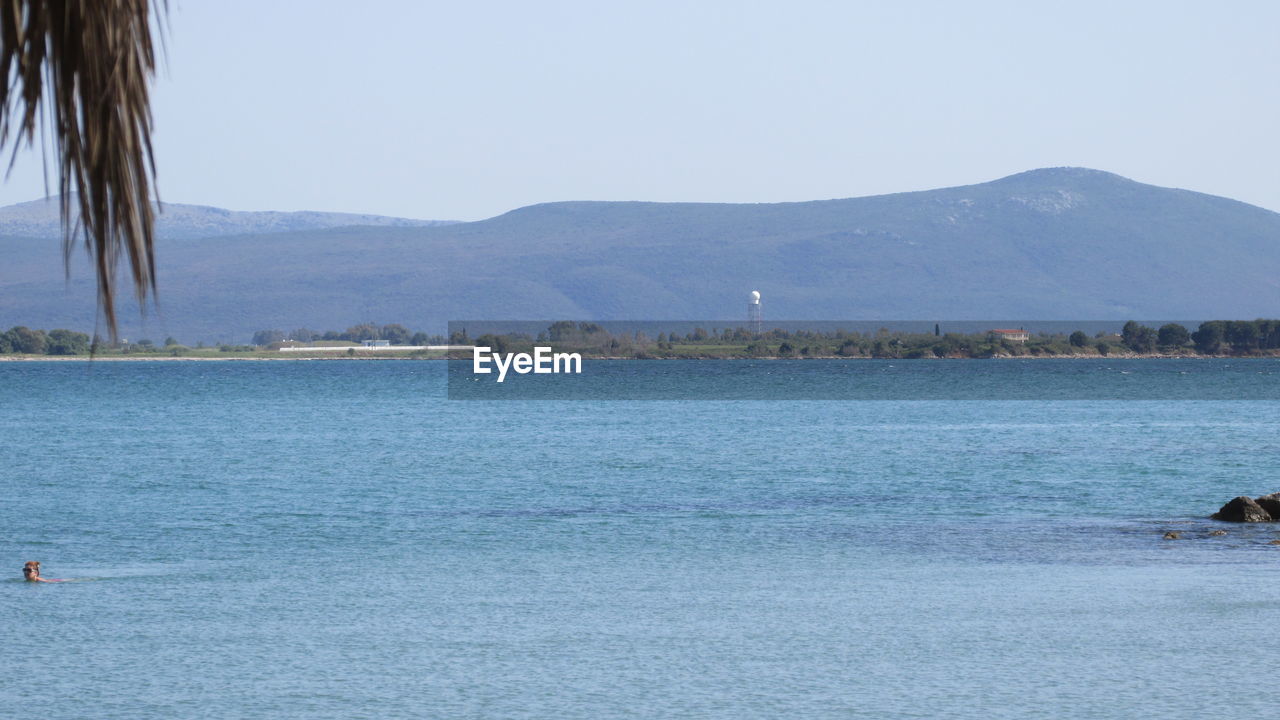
pixel 1048 244
pixel 175 221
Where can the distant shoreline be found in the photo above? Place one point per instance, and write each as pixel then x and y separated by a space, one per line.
pixel 171 358
pixel 1213 338
pixel 383 356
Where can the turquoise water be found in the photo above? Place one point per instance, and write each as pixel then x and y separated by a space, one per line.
pixel 337 539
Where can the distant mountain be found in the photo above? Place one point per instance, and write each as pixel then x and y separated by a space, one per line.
pixel 1053 244
pixel 39 218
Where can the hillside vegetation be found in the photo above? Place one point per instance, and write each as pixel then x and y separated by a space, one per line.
pixel 1054 244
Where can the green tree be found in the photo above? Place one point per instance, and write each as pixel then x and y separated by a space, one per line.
pixel 1078 339
pixel 1173 335
pixel 1243 335
pixel 1210 337
pixel 362 332
pixel 1138 338
pixel 267 337
pixel 562 331
pixel 67 342
pixel 419 338
pixel 495 343
pixel 25 340
pixel 171 341
pixel 396 334
pixel 1269 333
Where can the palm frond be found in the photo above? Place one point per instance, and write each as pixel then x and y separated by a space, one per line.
pixel 91 61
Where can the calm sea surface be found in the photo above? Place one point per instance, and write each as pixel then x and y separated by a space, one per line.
pixel 337 539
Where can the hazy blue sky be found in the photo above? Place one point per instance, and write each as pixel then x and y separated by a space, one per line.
pixel 467 110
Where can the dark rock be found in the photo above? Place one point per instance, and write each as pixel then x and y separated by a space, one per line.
pixel 1217 533
pixel 1274 542
pixel 1270 503
pixel 1242 509
pixel 1172 535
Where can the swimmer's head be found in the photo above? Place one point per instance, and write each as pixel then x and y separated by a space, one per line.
pixel 31 570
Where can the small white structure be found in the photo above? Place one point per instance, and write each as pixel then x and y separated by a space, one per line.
pixel 1018 335
pixel 755 319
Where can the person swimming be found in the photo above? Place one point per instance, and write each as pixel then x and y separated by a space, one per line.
pixel 31 571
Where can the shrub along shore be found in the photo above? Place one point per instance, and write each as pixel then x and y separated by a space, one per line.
pixel 1217 338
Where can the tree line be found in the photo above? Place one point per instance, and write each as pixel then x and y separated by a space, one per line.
pixel 1212 338
pixel 393 333
pixel 1216 337
pixel 26 341
pixel 22 339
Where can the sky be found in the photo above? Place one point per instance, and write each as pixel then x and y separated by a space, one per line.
pixel 464 111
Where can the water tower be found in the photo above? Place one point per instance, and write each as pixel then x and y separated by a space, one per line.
pixel 755 321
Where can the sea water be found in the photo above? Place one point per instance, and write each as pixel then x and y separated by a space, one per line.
pixel 340 539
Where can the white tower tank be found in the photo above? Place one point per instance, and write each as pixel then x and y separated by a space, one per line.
pixel 755 320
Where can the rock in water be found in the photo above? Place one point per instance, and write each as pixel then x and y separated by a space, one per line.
pixel 1172 535
pixel 1242 509
pixel 1217 533
pixel 1270 503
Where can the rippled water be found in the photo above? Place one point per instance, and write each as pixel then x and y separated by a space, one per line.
pixel 336 539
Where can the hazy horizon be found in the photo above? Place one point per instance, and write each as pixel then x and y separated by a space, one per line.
pixel 168 202
pixel 462 113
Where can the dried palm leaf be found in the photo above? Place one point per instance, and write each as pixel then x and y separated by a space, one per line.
pixel 91 61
